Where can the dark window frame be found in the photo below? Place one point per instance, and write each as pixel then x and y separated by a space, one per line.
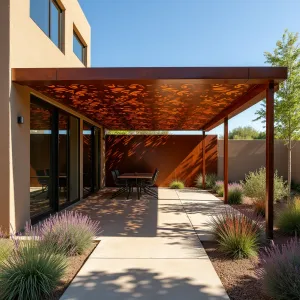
pixel 60 23
pixel 83 47
pixel 54 156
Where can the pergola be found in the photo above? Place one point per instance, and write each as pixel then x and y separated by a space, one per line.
pixel 166 99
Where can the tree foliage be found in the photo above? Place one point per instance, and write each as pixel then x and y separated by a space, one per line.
pixel 287 99
pixel 246 133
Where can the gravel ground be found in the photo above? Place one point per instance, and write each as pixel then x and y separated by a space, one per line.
pixel 74 265
pixel 237 276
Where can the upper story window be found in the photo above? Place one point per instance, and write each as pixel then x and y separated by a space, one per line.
pixel 79 48
pixel 48 16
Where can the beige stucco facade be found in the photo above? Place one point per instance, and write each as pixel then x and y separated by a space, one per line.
pixel 250 155
pixel 25 45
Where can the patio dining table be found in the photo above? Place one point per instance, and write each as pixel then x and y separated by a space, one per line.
pixel 136 177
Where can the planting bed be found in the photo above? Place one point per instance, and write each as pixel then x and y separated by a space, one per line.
pixel 74 265
pixel 237 276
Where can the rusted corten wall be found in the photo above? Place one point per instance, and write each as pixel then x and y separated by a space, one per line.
pixel 176 156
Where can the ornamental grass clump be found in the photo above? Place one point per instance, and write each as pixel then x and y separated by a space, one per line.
pixel 6 246
pixel 235 193
pixel 288 220
pixel 237 236
pixel 69 232
pixel 280 272
pixel 177 184
pixel 259 207
pixel 210 181
pixel 30 272
pixel 219 188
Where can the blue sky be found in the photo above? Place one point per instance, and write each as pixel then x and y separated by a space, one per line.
pixel 137 33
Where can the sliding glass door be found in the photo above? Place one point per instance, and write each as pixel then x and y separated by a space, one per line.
pixel 54 158
pixel 41 144
pixel 91 159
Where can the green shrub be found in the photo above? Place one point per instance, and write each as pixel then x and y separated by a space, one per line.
pixel 255 185
pixel 30 272
pixel 289 219
pixel 280 271
pixel 237 236
pixel 235 193
pixel 177 184
pixel 210 181
pixel 69 233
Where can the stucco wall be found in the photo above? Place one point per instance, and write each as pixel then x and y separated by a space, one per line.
pixel 31 47
pixel 4 113
pixel 250 155
pixel 27 46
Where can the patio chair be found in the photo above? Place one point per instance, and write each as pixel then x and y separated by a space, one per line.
pixel 148 184
pixel 120 183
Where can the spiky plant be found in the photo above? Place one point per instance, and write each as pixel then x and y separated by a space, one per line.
pixel 210 180
pixel 30 272
pixel 68 232
pixel 6 246
pixel 259 207
pixel 237 236
pixel 280 272
pixel 177 184
pixel 235 193
pixel 288 220
pixel 218 185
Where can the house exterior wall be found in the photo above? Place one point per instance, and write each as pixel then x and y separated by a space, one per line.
pixel 250 155
pixel 25 45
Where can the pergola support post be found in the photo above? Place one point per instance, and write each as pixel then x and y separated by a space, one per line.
pixel 203 161
pixel 270 160
pixel 226 160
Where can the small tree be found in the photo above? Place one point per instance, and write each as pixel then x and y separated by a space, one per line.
pixel 287 100
pixel 244 133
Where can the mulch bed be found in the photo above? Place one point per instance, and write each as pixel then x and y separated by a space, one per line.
pixel 74 265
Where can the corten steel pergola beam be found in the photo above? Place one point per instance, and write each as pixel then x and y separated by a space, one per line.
pixel 270 160
pixel 226 160
pixel 203 160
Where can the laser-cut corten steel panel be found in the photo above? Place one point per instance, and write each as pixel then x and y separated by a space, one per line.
pixel 153 98
pixel 147 106
pixel 176 156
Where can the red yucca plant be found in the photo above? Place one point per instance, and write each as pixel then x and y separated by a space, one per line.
pixel 280 272
pixel 237 235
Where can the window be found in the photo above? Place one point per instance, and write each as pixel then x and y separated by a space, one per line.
pixel 54 158
pixel 48 16
pixel 79 49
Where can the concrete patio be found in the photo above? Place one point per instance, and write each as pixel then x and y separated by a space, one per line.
pixel 150 248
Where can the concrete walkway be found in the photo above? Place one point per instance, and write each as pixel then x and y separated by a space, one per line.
pixel 170 264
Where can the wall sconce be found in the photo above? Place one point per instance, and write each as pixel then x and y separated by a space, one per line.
pixel 20 120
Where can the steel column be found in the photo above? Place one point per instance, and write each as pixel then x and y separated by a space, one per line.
pixel 203 161
pixel 269 160
pixel 226 160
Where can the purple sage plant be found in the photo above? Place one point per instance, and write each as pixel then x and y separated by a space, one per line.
pixel 68 232
pixel 280 270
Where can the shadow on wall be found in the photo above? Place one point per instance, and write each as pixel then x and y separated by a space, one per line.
pixel 176 157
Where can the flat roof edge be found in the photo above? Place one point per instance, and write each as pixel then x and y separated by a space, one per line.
pixel 245 74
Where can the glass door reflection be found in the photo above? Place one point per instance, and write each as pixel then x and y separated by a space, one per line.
pixel 41 198
pixel 87 159
pixel 63 141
